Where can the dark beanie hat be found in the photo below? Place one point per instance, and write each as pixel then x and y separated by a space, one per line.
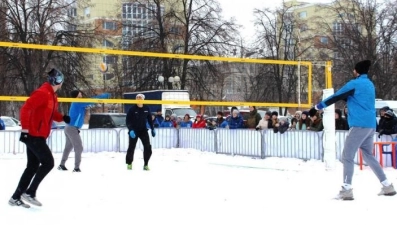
pixel 275 113
pixel 55 77
pixel 220 113
pixel 362 67
pixel 74 93
pixel 306 113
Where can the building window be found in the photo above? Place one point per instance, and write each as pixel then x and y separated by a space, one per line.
pixel 87 11
pixel 337 28
pixel 72 12
pixel 109 25
pixel 107 43
pixel 324 40
pixel 109 59
pixel 303 14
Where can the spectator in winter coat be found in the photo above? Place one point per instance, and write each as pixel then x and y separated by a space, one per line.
pixel 389 124
pixel 382 111
pixel 199 122
pixel 253 117
pixel 295 120
pixel 2 125
pixel 265 122
pixel 36 115
pixel 159 116
pixel 304 122
pixel 340 122
pixel 186 122
pixel 72 130
pixel 167 122
pixel 317 122
pixel 235 121
pixel 281 126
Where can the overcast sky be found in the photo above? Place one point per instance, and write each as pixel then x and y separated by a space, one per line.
pixel 243 11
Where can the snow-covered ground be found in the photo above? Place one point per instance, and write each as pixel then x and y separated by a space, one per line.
pixel 186 186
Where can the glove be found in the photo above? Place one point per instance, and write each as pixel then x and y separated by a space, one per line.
pixel 257 128
pixel 24 137
pixel 66 118
pixel 153 133
pixel 132 134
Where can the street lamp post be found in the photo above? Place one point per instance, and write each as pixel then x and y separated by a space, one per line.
pixel 103 67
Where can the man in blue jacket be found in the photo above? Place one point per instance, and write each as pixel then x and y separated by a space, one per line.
pixel 138 117
pixel 72 130
pixel 360 95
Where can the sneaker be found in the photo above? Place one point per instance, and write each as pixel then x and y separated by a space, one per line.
pixel 345 194
pixel 17 202
pixel 387 190
pixel 146 168
pixel 77 170
pixel 129 166
pixel 31 200
pixel 61 167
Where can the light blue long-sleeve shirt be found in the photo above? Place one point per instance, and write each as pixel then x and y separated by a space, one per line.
pixel 77 111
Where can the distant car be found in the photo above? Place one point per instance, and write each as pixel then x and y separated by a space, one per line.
pixel 107 120
pixel 11 123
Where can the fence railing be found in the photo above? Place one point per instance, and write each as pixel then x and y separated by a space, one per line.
pixel 245 142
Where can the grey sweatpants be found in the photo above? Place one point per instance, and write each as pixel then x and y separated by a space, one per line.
pixel 73 141
pixel 362 138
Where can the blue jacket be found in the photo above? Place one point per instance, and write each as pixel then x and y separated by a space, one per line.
pixel 166 123
pixel 360 95
pixel 77 111
pixel 236 122
pixel 186 124
pixel 2 125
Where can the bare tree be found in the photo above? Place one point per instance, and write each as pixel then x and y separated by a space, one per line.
pixel 365 30
pixel 278 37
pixel 39 22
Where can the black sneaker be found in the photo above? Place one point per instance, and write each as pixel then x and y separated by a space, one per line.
pixel 17 202
pixel 61 167
pixel 77 170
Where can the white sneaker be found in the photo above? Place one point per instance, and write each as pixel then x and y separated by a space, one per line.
pixel 31 200
pixel 387 190
pixel 17 202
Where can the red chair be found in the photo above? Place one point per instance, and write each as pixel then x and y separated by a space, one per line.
pixel 380 145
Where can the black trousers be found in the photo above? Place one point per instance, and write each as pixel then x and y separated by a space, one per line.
pixel 40 163
pixel 147 148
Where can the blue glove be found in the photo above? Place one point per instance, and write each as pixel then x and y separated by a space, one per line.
pixel 153 133
pixel 132 134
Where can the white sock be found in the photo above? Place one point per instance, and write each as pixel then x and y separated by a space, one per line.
pixel 386 183
pixel 347 186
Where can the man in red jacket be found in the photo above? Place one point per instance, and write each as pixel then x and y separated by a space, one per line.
pixel 36 115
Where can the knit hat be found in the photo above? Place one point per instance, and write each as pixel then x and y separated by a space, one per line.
pixel 140 95
pixel 389 113
pixel 306 113
pixel 55 77
pixel 74 93
pixel 362 67
pixel 275 113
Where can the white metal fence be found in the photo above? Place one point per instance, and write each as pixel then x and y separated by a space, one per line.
pixel 246 142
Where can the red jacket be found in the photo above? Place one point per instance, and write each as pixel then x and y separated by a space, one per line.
pixel 39 110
